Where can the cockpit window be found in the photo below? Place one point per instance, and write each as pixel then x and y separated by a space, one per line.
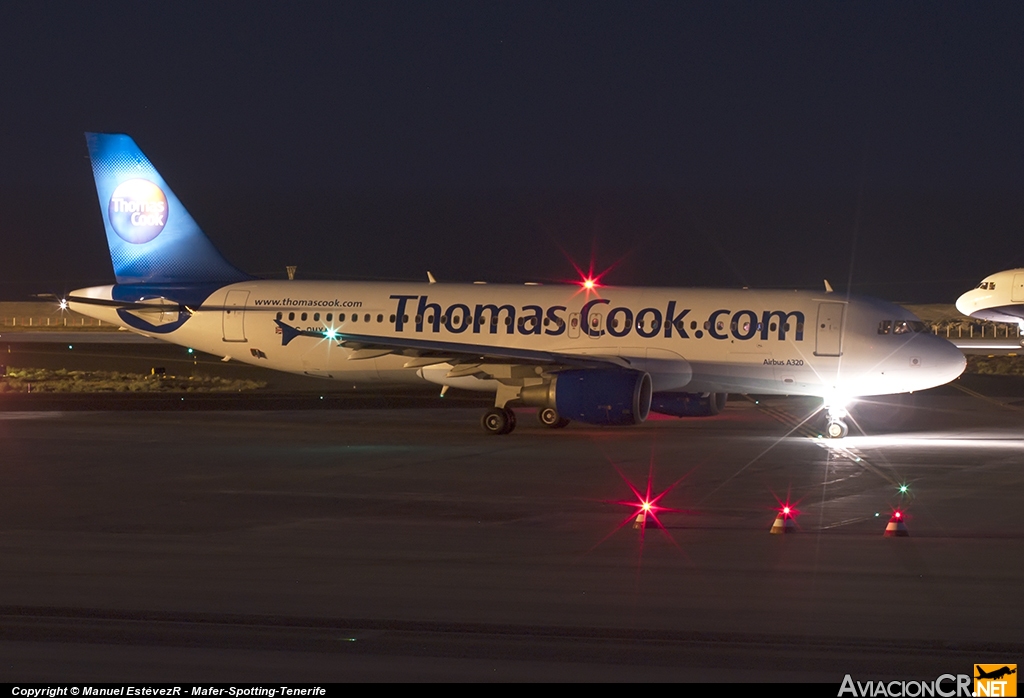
pixel 987 285
pixel 901 326
pixel 907 326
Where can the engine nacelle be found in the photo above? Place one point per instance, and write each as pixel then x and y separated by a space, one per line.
pixel 688 404
pixel 595 396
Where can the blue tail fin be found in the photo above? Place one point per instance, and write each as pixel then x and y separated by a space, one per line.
pixel 151 236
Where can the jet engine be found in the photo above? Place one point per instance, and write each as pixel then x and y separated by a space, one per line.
pixel 595 396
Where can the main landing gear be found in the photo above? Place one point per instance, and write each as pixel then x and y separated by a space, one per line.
pixel 502 420
pixel 549 417
pixel 498 420
pixel 836 427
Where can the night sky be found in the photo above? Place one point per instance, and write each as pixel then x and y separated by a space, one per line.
pixel 708 144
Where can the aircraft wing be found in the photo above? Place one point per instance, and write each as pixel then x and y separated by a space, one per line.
pixel 421 350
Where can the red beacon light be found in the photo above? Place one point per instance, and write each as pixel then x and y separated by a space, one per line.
pixel 896 526
pixel 785 520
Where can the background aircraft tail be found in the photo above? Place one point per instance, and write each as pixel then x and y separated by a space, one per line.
pixel 152 238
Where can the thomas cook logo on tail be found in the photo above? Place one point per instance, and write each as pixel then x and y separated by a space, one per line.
pixel 137 211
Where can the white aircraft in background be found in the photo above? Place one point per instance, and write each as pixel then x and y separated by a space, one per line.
pixel 998 298
pixel 599 355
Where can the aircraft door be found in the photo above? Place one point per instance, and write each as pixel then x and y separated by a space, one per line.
pixel 574 325
pixel 1017 292
pixel 234 316
pixel 829 330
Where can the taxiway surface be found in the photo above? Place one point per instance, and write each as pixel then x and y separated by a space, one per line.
pixel 352 543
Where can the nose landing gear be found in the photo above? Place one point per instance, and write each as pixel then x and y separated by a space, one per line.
pixel 836 427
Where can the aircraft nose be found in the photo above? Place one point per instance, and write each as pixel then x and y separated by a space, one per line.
pixel 967 303
pixel 947 361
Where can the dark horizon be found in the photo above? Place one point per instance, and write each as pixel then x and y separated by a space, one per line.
pixel 688 144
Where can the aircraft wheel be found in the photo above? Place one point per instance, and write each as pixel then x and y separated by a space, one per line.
pixel 837 429
pixel 498 421
pixel 549 417
pixel 511 420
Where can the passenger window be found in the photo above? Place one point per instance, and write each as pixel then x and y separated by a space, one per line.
pixel 380 317
pixel 693 324
pixel 419 319
pixel 341 317
pixel 773 327
pixel 430 319
pixel 316 317
pixel 392 317
pixel 355 317
pixel 885 327
pixel 366 318
pixel 304 316
pixel 547 322
pixel 329 316
pixel 280 315
pixel 291 316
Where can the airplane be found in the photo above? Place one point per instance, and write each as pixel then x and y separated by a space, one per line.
pixel 995 673
pixel 998 298
pixel 578 352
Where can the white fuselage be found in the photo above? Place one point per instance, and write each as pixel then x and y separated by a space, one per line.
pixel 688 340
pixel 998 298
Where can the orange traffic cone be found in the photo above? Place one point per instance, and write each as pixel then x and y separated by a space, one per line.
pixel 896 526
pixel 784 522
